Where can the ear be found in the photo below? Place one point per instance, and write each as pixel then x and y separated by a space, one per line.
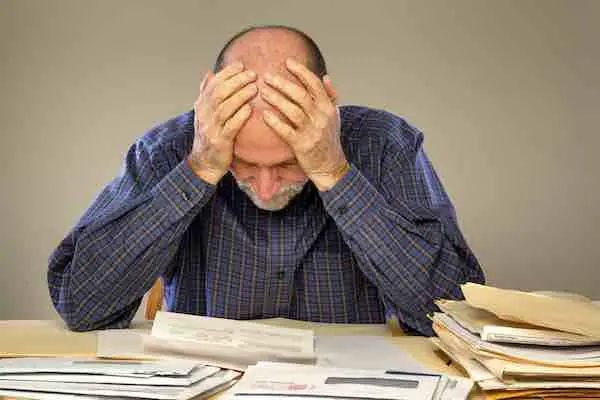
pixel 331 92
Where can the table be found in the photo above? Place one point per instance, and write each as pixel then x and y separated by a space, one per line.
pixel 52 338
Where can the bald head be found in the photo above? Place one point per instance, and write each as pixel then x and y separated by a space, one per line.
pixel 275 35
pixel 266 49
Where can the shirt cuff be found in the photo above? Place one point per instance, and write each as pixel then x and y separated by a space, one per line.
pixel 352 201
pixel 182 190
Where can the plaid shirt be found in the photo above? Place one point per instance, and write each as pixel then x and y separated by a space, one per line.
pixel 384 241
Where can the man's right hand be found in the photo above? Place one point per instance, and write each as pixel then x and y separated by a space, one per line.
pixel 220 111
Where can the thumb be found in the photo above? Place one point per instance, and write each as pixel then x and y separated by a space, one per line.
pixel 207 77
pixel 331 92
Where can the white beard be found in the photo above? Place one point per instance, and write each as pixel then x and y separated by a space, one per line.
pixel 279 201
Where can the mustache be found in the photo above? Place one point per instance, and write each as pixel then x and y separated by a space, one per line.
pixel 291 188
pixel 279 200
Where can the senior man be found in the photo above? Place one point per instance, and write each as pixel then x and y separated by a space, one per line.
pixel 268 200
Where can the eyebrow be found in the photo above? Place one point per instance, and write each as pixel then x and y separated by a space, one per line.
pixel 284 162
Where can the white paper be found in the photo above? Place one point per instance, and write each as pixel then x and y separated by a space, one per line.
pixel 121 343
pixel 579 356
pixel 95 366
pixel 364 352
pixel 22 394
pixel 280 379
pixel 540 337
pixel 183 380
pixel 208 385
pixel 230 341
pixel 454 388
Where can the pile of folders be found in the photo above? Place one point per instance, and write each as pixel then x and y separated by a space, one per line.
pixel 516 344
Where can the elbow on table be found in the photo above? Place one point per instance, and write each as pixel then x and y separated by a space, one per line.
pixel 78 319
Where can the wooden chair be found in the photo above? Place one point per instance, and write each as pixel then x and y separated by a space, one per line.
pixel 155 300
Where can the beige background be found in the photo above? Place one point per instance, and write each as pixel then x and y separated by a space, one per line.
pixel 506 92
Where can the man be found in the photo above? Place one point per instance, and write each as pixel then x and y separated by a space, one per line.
pixel 267 200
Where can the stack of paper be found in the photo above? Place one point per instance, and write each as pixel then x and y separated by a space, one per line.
pixel 219 342
pixel 58 377
pixel 260 349
pixel 268 380
pixel 517 344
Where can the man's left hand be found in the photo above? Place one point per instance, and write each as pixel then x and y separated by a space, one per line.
pixel 314 133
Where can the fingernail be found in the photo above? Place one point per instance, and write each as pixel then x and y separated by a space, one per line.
pixel 268 77
pixel 290 62
pixel 251 74
pixel 238 65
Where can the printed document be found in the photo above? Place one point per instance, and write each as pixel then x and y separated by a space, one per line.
pixel 268 380
pixel 236 343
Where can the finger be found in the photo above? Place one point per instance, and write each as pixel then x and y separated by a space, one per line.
pixel 283 104
pixel 231 86
pixel 205 80
pixel 293 91
pixel 234 103
pixel 223 75
pixel 235 123
pixel 203 83
pixel 308 79
pixel 284 130
pixel 331 92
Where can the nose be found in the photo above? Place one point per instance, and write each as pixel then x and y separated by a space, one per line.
pixel 267 183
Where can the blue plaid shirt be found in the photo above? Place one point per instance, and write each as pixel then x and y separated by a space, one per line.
pixel 383 241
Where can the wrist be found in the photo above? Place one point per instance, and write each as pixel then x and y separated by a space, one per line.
pixel 208 175
pixel 328 181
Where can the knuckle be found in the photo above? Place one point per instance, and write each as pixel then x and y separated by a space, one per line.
pixel 212 142
pixel 330 111
pixel 226 131
pixel 250 89
pixel 320 121
pixel 297 116
pixel 307 99
pixel 245 111
pixel 218 96
pixel 219 115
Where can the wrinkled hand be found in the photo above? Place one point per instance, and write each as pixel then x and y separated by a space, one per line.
pixel 314 135
pixel 220 111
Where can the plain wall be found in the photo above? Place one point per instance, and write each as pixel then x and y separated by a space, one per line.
pixel 506 92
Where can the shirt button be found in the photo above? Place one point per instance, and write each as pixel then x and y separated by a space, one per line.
pixel 185 197
pixel 342 209
pixel 280 275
